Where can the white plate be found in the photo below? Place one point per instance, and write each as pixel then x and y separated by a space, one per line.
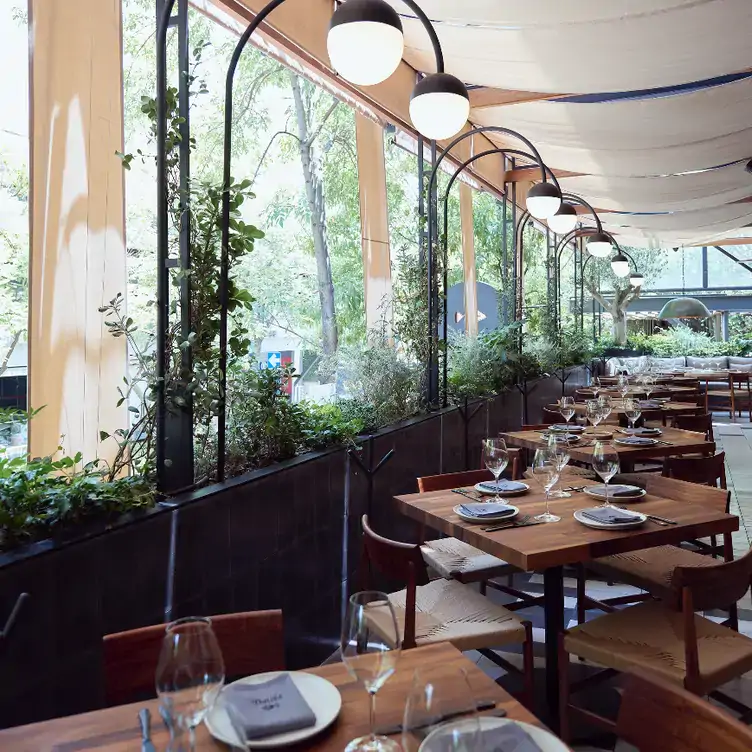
pixel 321 695
pixel 609 526
pixel 502 493
pixel 542 737
pixel 591 491
pixel 483 520
pixel 652 442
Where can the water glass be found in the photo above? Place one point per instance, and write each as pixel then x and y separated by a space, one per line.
pixel 566 408
pixel 545 473
pixel 597 385
pixel 606 406
pixel 594 412
pixel 606 464
pixel 370 649
pixel 190 672
pixel 496 458
pixel 632 410
pixel 623 384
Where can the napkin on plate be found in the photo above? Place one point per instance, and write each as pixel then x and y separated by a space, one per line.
pixel 642 431
pixel 650 404
pixel 616 490
pixel 637 440
pixel 502 485
pixel 270 707
pixel 507 738
pixel 609 515
pixel 485 509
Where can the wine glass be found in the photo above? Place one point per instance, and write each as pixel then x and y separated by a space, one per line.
pixel 437 692
pixel 606 405
pixel 633 411
pixel 597 385
pixel 649 384
pixel 566 408
pixel 190 672
pixel 370 648
pixel 593 412
pixel 623 384
pixel 606 464
pixel 545 473
pixel 560 455
pixel 496 458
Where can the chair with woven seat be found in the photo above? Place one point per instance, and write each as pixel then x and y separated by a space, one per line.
pixel 431 611
pixel 657 715
pixel 732 398
pixel 681 646
pixel 251 642
pixel 454 559
pixel 651 569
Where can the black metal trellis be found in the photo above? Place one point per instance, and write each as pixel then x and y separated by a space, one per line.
pixel 12 619
pixel 370 469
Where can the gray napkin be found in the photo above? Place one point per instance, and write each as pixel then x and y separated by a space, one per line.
pixel 617 490
pixel 502 485
pixel 507 738
pixel 271 707
pixel 650 404
pixel 636 440
pixel 486 509
pixel 608 515
pixel 642 431
pixel 572 428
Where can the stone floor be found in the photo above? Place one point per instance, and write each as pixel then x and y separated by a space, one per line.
pixel 736 440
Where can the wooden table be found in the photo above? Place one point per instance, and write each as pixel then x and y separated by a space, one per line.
pixel 551 546
pixel 680 442
pixel 667 408
pixel 117 730
pixel 635 390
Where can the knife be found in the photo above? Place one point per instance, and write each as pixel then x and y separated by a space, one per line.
pixel 144 719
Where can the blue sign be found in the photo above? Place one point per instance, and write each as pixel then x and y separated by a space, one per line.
pixel 273 359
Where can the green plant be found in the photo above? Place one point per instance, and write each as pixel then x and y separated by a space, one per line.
pixel 472 367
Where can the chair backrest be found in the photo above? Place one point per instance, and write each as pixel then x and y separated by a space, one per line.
pixel 468 477
pixel 400 561
pixel 552 416
pixel 656 716
pixel 739 381
pixel 535 427
pixel 251 642
pixel 671 488
pixel 707 471
pixel 702 423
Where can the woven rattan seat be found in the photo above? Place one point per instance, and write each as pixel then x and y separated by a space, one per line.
pixel 650 569
pixel 453 559
pixel 447 611
pixel 650 636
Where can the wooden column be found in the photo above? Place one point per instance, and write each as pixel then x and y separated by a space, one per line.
pixel 468 259
pixel 374 221
pixel 77 224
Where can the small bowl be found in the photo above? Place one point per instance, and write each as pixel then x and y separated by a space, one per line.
pixel 599 435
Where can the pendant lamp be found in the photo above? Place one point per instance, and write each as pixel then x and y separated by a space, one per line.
pixel 683 307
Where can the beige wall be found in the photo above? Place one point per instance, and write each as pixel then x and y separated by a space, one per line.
pixel 77 223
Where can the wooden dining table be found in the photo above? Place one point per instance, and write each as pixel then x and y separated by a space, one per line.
pixel 117 729
pixel 550 547
pixel 636 390
pixel 667 408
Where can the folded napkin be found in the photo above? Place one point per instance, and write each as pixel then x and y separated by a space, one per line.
pixel 486 509
pixel 507 738
pixel 650 404
pixel 572 428
pixel 616 490
pixel 502 485
pixel 642 431
pixel 636 440
pixel 270 707
pixel 609 515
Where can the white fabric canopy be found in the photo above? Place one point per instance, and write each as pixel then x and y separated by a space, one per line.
pixel 583 46
pixel 700 190
pixel 733 215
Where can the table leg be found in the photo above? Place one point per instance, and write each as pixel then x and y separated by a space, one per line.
pixel 553 590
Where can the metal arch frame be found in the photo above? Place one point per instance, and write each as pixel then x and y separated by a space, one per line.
pixel 432 382
pixel 162 217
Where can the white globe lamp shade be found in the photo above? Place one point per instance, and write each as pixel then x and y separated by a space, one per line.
pixel 636 280
pixel 564 221
pixel 599 245
pixel 620 265
pixel 543 200
pixel 365 41
pixel 439 106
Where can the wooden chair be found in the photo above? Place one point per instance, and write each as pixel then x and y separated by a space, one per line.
pixel 552 416
pixel 734 397
pixel 657 716
pixel 454 559
pixel 702 423
pixel 652 569
pixel 431 611
pixel 251 642
pixel 681 646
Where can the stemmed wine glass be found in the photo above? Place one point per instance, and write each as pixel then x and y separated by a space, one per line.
pixel 370 648
pixel 190 672
pixel 606 464
pixel 545 473
pixel 623 385
pixel 649 384
pixel 594 412
pixel 597 385
pixel 566 408
pixel 496 458
pixel 606 405
pixel 560 455
pixel 633 411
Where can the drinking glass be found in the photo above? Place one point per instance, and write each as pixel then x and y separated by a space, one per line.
pixel 545 473
pixel 496 458
pixel 440 698
pixel 649 384
pixel 370 648
pixel 566 408
pixel 597 385
pixel 593 412
pixel 623 385
pixel 190 672
pixel 606 464
pixel 560 455
pixel 632 410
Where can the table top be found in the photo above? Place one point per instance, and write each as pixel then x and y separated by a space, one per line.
pixel 552 544
pixel 117 730
pixel 679 442
pixel 656 391
pixel 671 408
